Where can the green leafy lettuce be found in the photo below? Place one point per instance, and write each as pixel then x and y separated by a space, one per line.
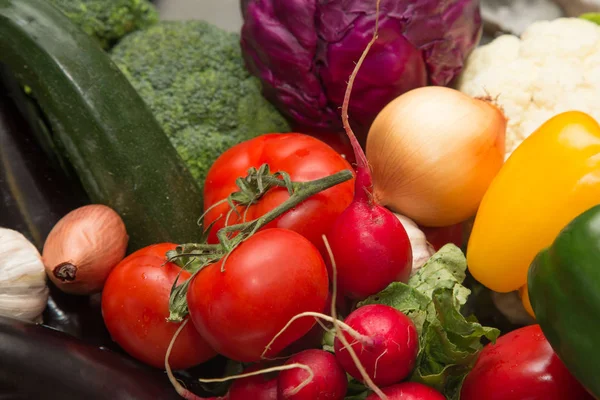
pixel 449 342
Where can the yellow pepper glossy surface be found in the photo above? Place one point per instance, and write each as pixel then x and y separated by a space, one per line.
pixel 552 177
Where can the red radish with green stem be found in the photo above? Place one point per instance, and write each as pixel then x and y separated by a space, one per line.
pixel 409 391
pixel 371 246
pixel 329 382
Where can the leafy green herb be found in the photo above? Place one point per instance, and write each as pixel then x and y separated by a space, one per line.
pixel 449 342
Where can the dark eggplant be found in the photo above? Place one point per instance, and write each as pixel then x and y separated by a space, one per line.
pixel 47 364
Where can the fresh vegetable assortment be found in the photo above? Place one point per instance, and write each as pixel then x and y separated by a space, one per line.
pixel 192 76
pixel 553 172
pixel 551 69
pixel 110 142
pixel 316 269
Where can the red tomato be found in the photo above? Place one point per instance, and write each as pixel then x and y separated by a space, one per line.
pixel 521 365
pixel 135 305
pixel 271 277
pixel 304 158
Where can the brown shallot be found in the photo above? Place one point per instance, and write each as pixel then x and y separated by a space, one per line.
pixel 83 247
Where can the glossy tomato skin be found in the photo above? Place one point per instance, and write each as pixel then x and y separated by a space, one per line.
pixel 135 305
pixel 521 365
pixel 304 158
pixel 268 279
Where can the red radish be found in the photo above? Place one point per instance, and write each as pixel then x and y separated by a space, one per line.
pixel 371 246
pixel 258 387
pixel 390 352
pixel 409 391
pixel 329 381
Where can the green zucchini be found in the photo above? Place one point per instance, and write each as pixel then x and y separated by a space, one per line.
pixel 100 124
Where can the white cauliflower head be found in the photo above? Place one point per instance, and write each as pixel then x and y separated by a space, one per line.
pixel 554 67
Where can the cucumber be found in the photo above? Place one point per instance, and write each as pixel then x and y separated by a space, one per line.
pixel 100 124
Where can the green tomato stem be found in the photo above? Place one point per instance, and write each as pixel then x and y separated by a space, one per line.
pixel 301 192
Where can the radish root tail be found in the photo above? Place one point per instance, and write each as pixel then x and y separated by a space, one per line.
pixel 297 389
pixel 183 392
pixel 361 159
pixel 339 334
pixel 361 338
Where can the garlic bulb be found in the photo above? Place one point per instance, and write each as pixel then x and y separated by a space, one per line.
pixel 422 250
pixel 23 289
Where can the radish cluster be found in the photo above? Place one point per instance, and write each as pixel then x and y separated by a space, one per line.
pixel 376 344
pixel 383 339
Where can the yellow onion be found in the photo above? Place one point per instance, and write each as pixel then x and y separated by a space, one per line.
pixel 83 247
pixel 434 151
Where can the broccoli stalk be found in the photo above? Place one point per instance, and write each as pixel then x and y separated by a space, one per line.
pixel 192 76
pixel 108 20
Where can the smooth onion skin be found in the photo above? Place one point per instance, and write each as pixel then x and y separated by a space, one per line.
pixel 434 151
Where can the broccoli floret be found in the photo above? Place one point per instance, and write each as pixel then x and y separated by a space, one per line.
pixel 108 20
pixel 192 76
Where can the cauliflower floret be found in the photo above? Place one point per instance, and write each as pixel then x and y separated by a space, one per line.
pixel 554 67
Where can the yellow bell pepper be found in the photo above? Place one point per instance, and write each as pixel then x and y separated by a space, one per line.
pixel 552 177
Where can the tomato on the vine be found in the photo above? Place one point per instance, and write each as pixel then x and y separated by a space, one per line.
pixel 304 158
pixel 268 279
pixel 135 308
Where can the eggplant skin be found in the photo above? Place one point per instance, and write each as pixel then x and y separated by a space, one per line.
pixel 43 363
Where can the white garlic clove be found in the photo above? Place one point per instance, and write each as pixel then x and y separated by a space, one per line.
pixel 422 250
pixel 23 288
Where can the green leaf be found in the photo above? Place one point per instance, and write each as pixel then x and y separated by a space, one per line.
pixel 592 17
pixel 400 296
pixel 445 269
pixel 466 332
